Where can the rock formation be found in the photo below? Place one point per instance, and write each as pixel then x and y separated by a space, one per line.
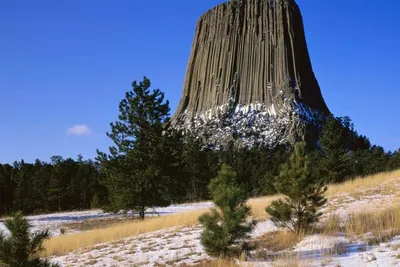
pixel 249 76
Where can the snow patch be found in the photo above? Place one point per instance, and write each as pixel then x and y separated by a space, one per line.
pixel 53 222
pixel 249 125
pixel 319 243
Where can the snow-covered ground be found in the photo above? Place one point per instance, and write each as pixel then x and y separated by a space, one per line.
pixel 354 255
pixel 54 222
pixel 176 246
pixel 172 246
pixel 385 255
pixel 169 246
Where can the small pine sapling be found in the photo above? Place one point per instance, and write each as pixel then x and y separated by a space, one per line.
pixel 20 248
pixel 304 194
pixel 227 226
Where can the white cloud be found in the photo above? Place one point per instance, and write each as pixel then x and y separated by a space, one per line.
pixel 79 130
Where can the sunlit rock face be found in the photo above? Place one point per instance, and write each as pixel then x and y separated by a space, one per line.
pixel 249 78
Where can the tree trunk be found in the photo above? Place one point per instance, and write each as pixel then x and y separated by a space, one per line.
pixel 141 213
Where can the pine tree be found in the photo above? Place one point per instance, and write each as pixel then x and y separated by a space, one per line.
pixel 270 168
pixel 172 147
pixel 197 169
pixel 44 187
pixel 334 141
pixel 227 226
pixel 134 170
pixel 376 160
pixel 394 162
pixel 57 184
pixel 21 249
pixel 7 187
pixel 24 193
pixel 304 193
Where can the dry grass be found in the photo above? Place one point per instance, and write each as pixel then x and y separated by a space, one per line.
pixel 330 226
pixel 381 181
pixel 358 184
pixel 290 260
pixel 96 223
pixel 217 263
pixel 376 227
pixel 373 226
pixel 258 205
pixel 61 245
pixel 278 240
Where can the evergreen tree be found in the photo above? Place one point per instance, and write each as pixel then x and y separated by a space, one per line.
pixel 227 226
pixel 7 186
pixel 267 167
pixel 361 143
pixel 334 141
pixel 197 169
pixel 58 185
pixel 134 169
pixel 23 195
pixel 21 249
pixel 394 163
pixel 376 160
pixel 85 184
pixel 41 175
pixel 44 187
pixel 303 193
pixel 243 161
pixel 173 167
pixel 255 167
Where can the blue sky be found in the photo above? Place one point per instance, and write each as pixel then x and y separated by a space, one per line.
pixel 66 64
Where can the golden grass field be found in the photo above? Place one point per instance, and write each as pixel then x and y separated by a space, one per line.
pixel 217 263
pixel 61 245
pixel 380 225
pixel 358 184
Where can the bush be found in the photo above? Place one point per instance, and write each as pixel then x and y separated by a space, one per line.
pixel 304 193
pixel 227 226
pixel 22 249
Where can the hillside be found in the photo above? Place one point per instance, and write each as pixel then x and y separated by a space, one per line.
pixel 360 225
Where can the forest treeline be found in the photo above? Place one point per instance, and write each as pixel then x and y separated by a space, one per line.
pixel 58 185
pixel 151 164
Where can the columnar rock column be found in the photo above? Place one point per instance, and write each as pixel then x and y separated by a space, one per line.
pixel 249 76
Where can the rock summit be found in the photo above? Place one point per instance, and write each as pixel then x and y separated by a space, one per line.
pixel 249 78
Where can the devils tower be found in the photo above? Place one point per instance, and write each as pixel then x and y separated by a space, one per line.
pixel 249 78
